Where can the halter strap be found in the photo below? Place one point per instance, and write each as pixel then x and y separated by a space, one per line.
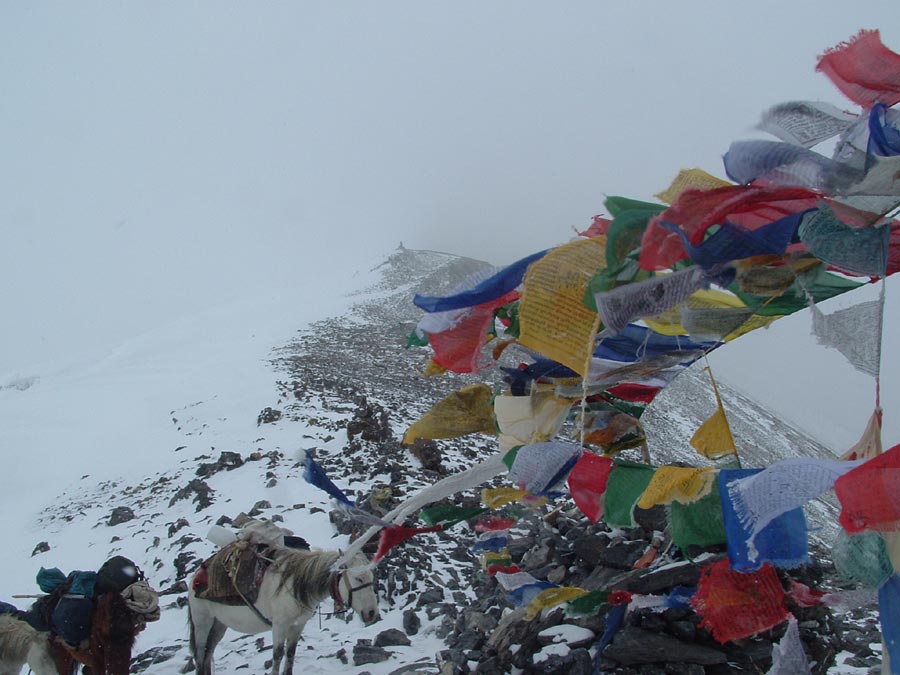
pixel 335 587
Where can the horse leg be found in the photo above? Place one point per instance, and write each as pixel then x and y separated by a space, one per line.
pixel 291 638
pixel 201 625
pixel 40 658
pixel 278 637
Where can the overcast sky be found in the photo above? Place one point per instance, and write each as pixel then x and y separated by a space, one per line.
pixel 159 156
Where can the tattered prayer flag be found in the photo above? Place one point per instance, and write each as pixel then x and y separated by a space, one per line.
pixel 805 123
pixel 493 558
pixel 855 332
pixel 870 494
pixel 696 179
pixel 588 604
pixel 675 483
pixel 551 597
pixel 459 349
pixel 448 515
pixel 314 475
pixel 587 483
pixel 782 487
pixel 391 536
pixel 864 69
pixel 779 163
pixel 538 467
pixel 783 542
pixel 509 582
pixel 465 411
pixel 493 570
pixel 698 524
pixel 869 444
pixel 625 304
pixel 788 657
pixel 888 604
pixel 733 605
pixel 495 543
pixel 625 485
pixel 521 420
pixel 552 316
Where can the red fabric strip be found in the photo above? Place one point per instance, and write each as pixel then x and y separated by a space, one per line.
pixel 864 69
pixel 870 494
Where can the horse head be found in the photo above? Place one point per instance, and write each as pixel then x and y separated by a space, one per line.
pixel 353 584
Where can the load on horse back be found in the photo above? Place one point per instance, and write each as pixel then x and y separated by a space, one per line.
pixel 268 580
pixel 92 618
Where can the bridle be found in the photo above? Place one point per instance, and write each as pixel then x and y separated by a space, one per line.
pixel 335 585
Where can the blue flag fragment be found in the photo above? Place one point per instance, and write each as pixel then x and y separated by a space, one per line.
pixel 314 475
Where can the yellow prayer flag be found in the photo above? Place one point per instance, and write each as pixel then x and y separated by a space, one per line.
pixel 676 483
pixel 553 318
pixel 494 498
pixel 551 597
pixel 690 179
pixel 465 411
pixel 713 439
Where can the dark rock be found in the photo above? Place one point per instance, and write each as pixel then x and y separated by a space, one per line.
pixel 364 653
pixel 144 660
pixel 227 461
pixel 621 556
pixel 177 525
pixel 683 630
pixel 651 582
pixel 268 416
pixel 196 490
pixel 411 622
pixel 576 662
pixel 635 646
pixel 119 515
pixel 429 454
pixel 42 547
pixel 431 596
pixel 392 637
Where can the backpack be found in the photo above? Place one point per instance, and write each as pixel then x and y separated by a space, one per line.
pixel 117 574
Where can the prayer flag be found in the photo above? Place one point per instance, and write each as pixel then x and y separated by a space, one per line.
pixel 625 485
pixel 864 69
pixel 870 494
pixel 391 536
pixel 465 411
pixel 314 475
pixel 587 483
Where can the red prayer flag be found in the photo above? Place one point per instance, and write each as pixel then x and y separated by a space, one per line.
pixel 636 393
pixel 494 523
pixel 695 211
pixel 864 69
pixel 735 605
pixel 458 349
pixel 870 494
pixel 391 536
pixel 587 483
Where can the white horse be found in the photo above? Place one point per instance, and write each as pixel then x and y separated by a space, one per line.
pixel 21 644
pixel 291 589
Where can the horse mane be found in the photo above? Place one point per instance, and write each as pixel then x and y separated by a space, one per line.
pixel 308 572
pixel 114 621
pixel 17 637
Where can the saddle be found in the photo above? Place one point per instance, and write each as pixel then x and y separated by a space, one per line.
pixel 233 575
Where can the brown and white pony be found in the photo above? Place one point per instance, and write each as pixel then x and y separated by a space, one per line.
pixel 291 589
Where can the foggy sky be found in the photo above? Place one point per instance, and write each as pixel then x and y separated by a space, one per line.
pixel 157 157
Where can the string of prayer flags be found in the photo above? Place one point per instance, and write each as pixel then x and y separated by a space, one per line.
pixel 870 494
pixel 760 498
pixel 465 411
pixel 783 542
pixel 864 69
pixel 624 487
pixel 314 475
pixel 587 484
pixel 735 605
pixel 389 537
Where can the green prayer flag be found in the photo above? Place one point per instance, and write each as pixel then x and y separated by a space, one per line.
pixel 699 523
pixel 627 482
